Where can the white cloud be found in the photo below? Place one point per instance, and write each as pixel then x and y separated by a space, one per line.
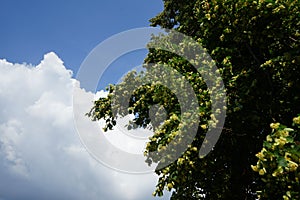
pixel 41 156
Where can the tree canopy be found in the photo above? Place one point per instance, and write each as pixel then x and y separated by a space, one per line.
pixel 255 46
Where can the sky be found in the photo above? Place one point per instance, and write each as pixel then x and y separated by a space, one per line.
pixel 42 45
pixel 71 29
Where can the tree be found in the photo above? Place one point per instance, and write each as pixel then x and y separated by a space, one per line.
pixel 255 45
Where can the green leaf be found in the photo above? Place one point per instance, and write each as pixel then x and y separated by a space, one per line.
pixel 282 162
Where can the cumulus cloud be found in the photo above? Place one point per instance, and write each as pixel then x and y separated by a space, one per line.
pixel 41 156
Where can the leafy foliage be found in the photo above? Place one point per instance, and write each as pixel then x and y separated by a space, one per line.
pixel 278 163
pixel 255 45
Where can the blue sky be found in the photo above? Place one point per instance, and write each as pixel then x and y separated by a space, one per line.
pixel 41 155
pixel 71 29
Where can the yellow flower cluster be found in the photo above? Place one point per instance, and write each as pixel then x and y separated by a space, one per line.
pixel 296 120
pixel 292 166
pixel 274 125
pixel 280 141
pixel 287 196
